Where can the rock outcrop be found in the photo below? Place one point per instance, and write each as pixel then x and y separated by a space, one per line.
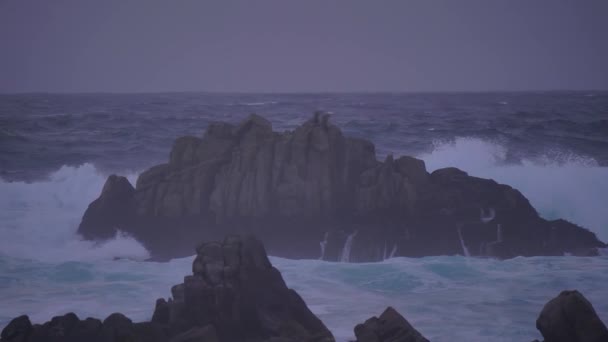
pixel 235 289
pixel 233 295
pixel 298 188
pixel 570 317
pixel 70 328
pixel 389 327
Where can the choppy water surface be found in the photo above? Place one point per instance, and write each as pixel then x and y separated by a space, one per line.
pixel 56 150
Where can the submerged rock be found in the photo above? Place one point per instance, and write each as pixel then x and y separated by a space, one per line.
pixel 389 327
pixel 290 189
pixel 570 317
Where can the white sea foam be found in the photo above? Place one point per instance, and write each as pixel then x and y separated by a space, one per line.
pixel 39 220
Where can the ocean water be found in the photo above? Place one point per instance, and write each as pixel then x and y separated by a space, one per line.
pixel 57 150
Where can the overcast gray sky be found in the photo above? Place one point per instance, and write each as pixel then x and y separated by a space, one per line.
pixel 287 46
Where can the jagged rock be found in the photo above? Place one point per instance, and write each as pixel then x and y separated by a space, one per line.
pixel 392 187
pixel 292 188
pixel 161 312
pixel 570 317
pixel 17 330
pixel 69 328
pixel 389 327
pixel 235 289
pixel 110 212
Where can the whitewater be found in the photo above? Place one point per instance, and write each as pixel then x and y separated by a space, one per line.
pixel 46 269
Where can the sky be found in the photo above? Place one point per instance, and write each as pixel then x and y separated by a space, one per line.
pixel 302 46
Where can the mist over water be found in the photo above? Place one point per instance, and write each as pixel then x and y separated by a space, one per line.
pixel 46 269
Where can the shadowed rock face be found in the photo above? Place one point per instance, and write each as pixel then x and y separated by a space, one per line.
pixel 233 295
pixel 69 328
pixel 112 211
pixel 570 317
pixel 292 188
pixel 235 289
pixel 389 327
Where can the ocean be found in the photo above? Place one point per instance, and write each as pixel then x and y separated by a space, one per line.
pixel 56 151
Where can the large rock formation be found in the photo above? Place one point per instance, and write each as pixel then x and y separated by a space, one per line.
pixel 233 295
pixel 298 188
pixel 570 317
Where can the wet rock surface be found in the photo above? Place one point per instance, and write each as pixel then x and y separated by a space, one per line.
pixel 389 327
pixel 570 317
pixel 235 289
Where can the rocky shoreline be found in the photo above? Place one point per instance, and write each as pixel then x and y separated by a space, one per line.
pixel 234 294
pixel 315 193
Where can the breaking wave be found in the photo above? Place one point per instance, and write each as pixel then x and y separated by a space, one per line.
pixel 39 220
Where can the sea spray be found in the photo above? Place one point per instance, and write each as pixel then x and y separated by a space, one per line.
pixel 345 257
pixel 489 217
pixel 465 250
pixel 39 220
pixel 323 245
pixel 384 255
pixel 393 251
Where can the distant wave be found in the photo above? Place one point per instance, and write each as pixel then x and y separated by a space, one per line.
pixel 10 134
pixel 255 103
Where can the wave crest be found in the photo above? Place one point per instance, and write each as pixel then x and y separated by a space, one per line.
pixel 39 220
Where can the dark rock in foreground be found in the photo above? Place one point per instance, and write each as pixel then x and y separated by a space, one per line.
pixel 298 189
pixel 570 317
pixel 234 295
pixel 69 328
pixel 235 289
pixel 389 327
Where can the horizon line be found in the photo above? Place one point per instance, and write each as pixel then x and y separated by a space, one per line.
pixel 362 92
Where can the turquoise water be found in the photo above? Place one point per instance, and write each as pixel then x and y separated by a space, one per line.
pixel 446 298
